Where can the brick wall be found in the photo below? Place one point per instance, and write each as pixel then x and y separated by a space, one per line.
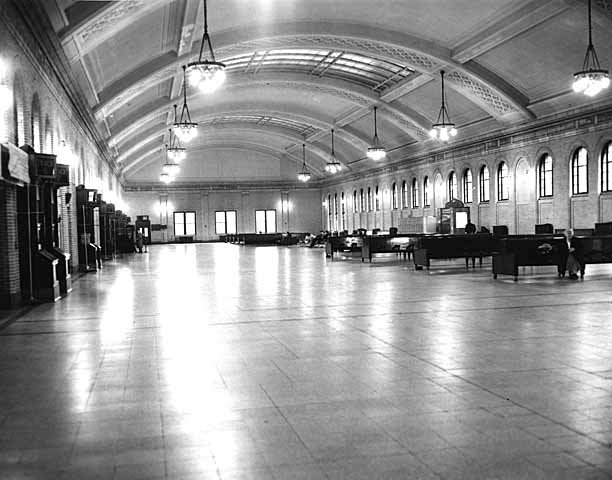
pixel 10 292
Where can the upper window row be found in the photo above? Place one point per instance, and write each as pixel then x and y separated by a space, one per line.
pixel 410 194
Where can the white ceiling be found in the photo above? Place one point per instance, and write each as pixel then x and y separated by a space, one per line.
pixel 298 68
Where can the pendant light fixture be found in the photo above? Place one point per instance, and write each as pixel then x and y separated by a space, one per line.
pixel 165 178
pixel 304 175
pixel 376 151
pixel 443 129
pixel 592 79
pixel 174 151
pixel 333 165
pixel 184 129
pixel 206 74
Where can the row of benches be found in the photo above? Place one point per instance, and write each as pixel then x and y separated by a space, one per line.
pixel 288 238
pixel 509 252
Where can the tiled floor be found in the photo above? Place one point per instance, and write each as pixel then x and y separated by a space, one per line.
pixel 226 362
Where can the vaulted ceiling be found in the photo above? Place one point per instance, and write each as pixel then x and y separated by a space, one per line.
pixel 297 69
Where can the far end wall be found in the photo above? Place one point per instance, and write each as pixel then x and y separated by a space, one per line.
pixel 296 210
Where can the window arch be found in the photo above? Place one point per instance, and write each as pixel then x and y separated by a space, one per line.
pixel 606 168
pixel 343 211
pixel 415 193
pixel 335 211
pixel 452 186
pixel 545 176
pixel 580 178
pixel 355 202
pixel 394 196
pixel 426 192
pixel 467 186
pixel 503 187
pixel 405 194
pixel 484 184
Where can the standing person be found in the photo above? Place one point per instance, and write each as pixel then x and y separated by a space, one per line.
pixel 573 264
pixel 470 227
pixel 139 241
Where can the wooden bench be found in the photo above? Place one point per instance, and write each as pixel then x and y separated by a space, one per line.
pixel 402 245
pixel 529 250
pixel 343 243
pixel 474 246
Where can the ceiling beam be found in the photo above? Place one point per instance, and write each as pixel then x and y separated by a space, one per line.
pixel 529 14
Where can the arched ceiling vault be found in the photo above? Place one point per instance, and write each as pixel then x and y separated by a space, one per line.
pixel 232 132
pixel 499 100
pixel 128 54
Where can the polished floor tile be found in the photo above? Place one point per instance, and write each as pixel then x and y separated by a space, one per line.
pixel 214 361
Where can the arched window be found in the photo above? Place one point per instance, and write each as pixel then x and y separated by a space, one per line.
pixel 343 211
pixel 467 186
pixel 503 189
pixel 370 202
pixel 426 192
pixel 452 186
pixel 415 193
pixel 361 201
pixel 404 194
pixel 335 211
pixel 355 202
pixel 606 168
pixel 394 196
pixel 483 182
pixel 329 212
pixel 545 176
pixel 377 199
pixel 580 180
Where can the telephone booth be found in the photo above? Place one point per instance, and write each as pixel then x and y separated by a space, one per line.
pixel 453 217
pixel 88 224
pixel 108 225
pixel 45 267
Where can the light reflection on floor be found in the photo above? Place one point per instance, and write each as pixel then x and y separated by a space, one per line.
pixel 219 361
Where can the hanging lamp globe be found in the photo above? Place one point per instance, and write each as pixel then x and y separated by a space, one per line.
pixel 333 165
pixel 206 74
pixel 376 151
pixel 304 174
pixel 443 129
pixel 592 79
pixel 171 168
pixel 165 178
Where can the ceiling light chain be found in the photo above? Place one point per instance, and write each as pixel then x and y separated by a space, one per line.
pixel 304 175
pixel 333 165
pixel 592 79
pixel 174 150
pixel 443 129
pixel 185 129
pixel 207 75
pixel 376 151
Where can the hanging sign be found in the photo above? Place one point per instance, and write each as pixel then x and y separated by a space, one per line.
pixel 62 175
pixel 15 167
pixel 45 166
